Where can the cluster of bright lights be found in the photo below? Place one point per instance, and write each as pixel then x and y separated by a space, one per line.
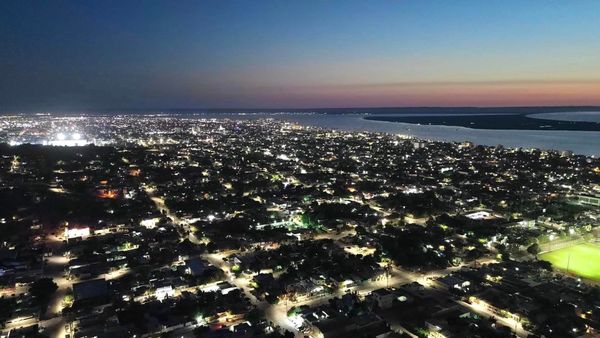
pixel 63 136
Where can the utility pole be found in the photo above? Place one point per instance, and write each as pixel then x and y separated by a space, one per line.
pixel 287 297
pixel 387 276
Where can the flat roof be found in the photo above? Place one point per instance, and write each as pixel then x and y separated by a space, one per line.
pixel 90 289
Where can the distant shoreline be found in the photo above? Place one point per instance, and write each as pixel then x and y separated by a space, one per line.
pixel 492 121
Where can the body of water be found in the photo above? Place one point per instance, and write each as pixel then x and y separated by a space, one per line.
pixel 584 116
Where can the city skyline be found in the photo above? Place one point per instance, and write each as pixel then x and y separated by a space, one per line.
pixel 117 55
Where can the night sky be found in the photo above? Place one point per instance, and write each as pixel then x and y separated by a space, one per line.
pixel 86 55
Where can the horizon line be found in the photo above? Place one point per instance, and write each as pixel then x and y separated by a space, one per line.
pixel 290 109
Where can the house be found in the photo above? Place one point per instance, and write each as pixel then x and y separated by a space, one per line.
pixel 195 267
pixel 590 200
pixel 225 287
pixel 24 332
pixel 164 292
pixel 352 327
pixel 96 289
pixel 384 298
pixel 77 232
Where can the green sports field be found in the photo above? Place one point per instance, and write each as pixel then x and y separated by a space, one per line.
pixel 582 260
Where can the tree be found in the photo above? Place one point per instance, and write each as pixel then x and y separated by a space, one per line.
pixel 271 299
pixel 7 306
pixel 133 313
pixel 534 249
pixel 255 315
pixel 545 265
pixel 68 299
pixel 42 290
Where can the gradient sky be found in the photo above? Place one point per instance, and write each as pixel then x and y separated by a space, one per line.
pixel 72 55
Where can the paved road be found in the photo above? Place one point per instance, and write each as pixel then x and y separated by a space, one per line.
pixel 52 319
pixel 184 231
pixel 277 313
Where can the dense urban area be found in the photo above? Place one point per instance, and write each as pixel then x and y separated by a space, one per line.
pixel 185 226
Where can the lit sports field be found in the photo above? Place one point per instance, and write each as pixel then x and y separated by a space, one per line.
pixel 584 260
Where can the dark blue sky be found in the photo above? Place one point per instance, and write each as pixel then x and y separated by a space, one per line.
pixel 73 55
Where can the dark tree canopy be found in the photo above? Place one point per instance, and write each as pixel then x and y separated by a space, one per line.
pixel 42 290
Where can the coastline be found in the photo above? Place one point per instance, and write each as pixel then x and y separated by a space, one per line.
pixel 579 142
